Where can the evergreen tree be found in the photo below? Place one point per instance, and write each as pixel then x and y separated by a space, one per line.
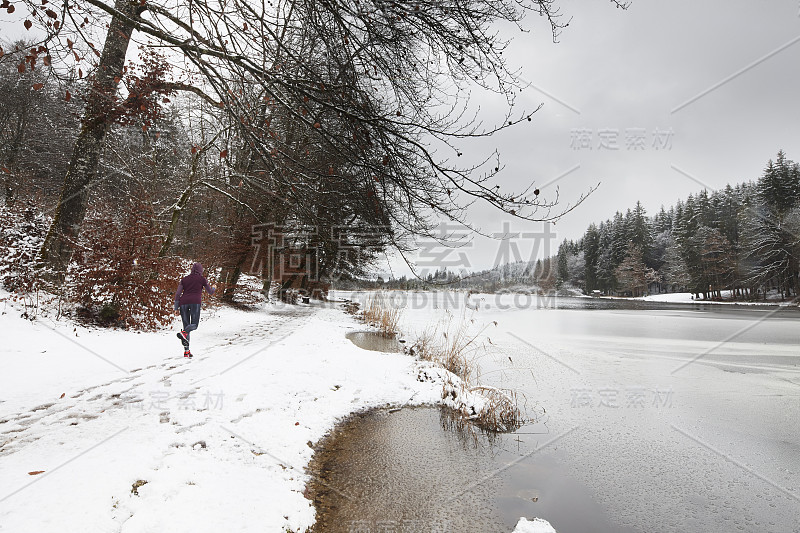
pixel 620 238
pixel 591 253
pixel 663 220
pixel 606 278
pixel 661 243
pixel 743 238
pixel 545 275
pixel 771 241
pixel 576 269
pixel 715 260
pixel 562 270
pixel 779 186
pixel 640 227
pixel 632 273
pixel 639 232
pixel 675 274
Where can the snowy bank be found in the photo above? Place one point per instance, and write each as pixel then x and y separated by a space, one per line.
pixel 114 430
pixel 688 297
pixel 535 525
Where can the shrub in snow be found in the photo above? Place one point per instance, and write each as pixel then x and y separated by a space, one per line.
pixel 22 233
pixel 490 408
pixel 449 347
pixel 116 274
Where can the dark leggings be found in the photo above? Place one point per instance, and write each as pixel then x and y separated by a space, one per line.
pixel 190 314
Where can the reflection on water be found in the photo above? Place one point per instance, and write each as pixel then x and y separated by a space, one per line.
pixel 375 341
pixel 402 471
pixel 732 371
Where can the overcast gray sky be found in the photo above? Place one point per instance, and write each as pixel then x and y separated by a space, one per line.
pixel 713 86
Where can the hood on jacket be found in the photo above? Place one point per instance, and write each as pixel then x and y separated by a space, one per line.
pixel 197 268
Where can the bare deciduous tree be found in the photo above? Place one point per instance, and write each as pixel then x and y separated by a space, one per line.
pixel 382 86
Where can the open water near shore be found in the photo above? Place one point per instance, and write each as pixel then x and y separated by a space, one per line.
pixel 657 417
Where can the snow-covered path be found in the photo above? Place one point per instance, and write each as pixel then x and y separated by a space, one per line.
pixel 145 440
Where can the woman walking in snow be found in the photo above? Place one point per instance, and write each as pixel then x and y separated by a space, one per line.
pixel 187 300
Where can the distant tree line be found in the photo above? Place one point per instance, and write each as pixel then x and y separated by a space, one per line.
pixel 744 239
pixel 519 276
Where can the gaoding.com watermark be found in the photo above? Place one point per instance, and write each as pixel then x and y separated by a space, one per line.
pixel 454 300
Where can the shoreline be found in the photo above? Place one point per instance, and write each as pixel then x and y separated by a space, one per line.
pixel 284 376
pixel 227 437
pixel 414 470
pixel 457 298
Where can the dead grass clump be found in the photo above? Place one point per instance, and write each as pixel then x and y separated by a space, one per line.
pixel 491 409
pixel 450 347
pixel 351 308
pixel 501 411
pixel 378 312
pixel 453 347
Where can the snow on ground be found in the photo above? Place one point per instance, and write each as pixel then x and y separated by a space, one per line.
pixel 129 436
pixel 112 430
pixel 688 297
pixel 535 525
pixel 672 297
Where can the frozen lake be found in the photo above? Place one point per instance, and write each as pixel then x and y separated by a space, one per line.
pixel 669 417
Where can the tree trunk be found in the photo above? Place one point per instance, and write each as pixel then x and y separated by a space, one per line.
pixel 176 214
pixel 10 184
pixel 230 277
pixel 97 120
pixel 182 202
pixel 9 192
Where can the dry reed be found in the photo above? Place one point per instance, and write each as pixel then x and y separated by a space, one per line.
pixel 378 312
pixel 450 348
pixel 453 348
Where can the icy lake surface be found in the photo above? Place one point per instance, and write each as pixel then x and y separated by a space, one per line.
pixel 409 470
pixel 667 417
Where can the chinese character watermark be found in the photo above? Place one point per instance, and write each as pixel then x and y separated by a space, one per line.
pixel 162 400
pixel 635 397
pixel 446 241
pixel 634 139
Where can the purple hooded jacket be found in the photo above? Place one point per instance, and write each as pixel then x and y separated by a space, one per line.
pixel 190 289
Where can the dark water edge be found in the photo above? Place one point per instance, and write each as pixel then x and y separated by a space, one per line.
pixel 455 299
pixel 375 341
pixel 607 303
pixel 412 470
